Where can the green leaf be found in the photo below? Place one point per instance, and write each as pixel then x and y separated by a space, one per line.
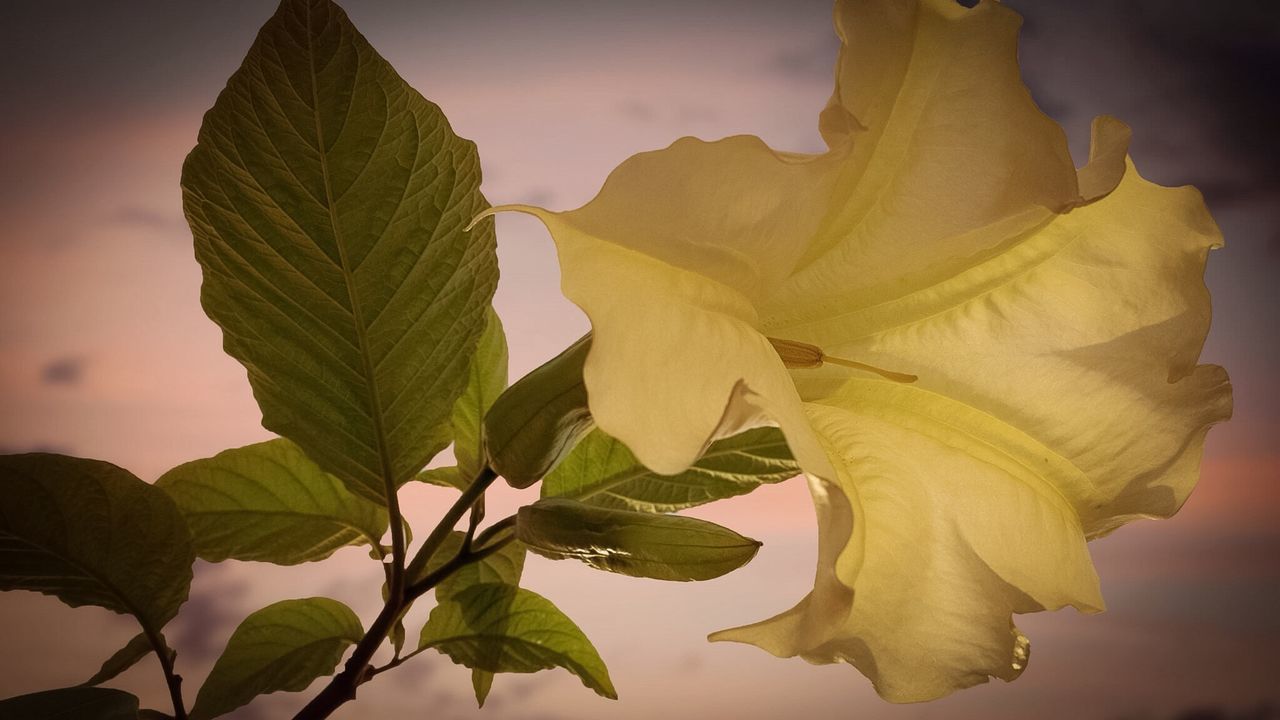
pixel 90 533
pixel 526 630
pixel 504 566
pixel 284 646
pixel 487 380
pixel 329 201
pixel 539 419
pixel 641 544
pixel 125 658
pixel 448 476
pixel 602 471
pixel 481 683
pixel 270 502
pixel 76 703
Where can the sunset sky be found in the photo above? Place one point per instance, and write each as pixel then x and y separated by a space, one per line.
pixel 105 352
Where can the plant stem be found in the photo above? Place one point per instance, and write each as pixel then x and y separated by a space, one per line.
pixel 342 687
pixel 469 497
pixel 171 679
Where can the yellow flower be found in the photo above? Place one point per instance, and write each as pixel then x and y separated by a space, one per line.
pixel 1053 317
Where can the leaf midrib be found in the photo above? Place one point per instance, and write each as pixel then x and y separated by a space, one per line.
pixel 362 341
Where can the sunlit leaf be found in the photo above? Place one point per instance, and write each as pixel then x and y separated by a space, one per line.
pixel 486 381
pixel 270 502
pixel 539 419
pixel 528 632
pixel 91 533
pixel 662 547
pixel 284 646
pixel 77 703
pixel 328 202
pixel 601 471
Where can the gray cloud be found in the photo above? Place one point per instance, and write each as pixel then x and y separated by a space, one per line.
pixel 67 370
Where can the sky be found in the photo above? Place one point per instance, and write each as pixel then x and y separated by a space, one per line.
pixel 105 353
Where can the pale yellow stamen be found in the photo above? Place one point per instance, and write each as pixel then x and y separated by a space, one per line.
pixel 803 356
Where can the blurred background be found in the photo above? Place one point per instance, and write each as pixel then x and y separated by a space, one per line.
pixel 105 353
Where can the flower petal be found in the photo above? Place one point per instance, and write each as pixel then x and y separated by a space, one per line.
pixel 733 210
pixel 1083 336
pixel 675 359
pixel 949 153
pixel 948 539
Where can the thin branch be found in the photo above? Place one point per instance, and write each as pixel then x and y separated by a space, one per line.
pixel 342 687
pixel 171 679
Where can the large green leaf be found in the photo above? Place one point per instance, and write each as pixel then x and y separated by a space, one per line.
pixel 329 201
pixel 91 533
pixel 270 502
pixel 527 631
pixel 641 544
pixel 486 381
pixel 283 646
pixel 126 657
pixel 505 566
pixel 77 703
pixel 602 471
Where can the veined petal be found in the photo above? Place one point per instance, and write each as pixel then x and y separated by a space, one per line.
pixel 675 360
pixel 733 210
pixel 948 540
pixel 949 154
pixel 1082 336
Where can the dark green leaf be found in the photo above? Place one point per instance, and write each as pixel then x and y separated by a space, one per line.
pixel 125 658
pixel 329 203
pixel 91 533
pixel 270 502
pixel 77 703
pixel 641 544
pixel 284 646
pixel 487 380
pixel 501 628
pixel 602 471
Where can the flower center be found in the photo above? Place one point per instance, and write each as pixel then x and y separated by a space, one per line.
pixel 803 356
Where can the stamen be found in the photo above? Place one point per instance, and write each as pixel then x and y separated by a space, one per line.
pixel 886 374
pixel 803 356
pixel 797 354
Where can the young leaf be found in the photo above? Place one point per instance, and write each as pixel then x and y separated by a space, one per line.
pixel 448 476
pixel 91 533
pixel 504 566
pixel 538 420
pixel 502 628
pixel 284 646
pixel 123 659
pixel 270 502
pixel 641 544
pixel 329 201
pixel 75 703
pixel 602 471
pixel 487 380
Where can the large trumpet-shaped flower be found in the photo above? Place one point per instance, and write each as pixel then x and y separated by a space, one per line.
pixel 1053 318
